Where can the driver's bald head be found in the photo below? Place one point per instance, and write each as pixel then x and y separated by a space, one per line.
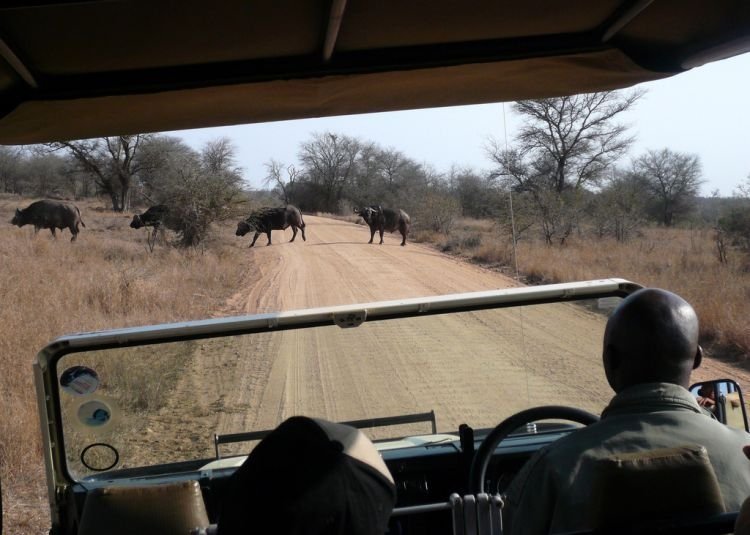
pixel 651 337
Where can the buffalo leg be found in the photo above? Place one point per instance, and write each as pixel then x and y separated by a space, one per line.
pixel 151 239
pixel 381 235
pixel 302 230
pixel 269 238
pixel 294 233
pixel 254 238
pixel 52 230
pixel 372 234
pixel 403 230
pixel 74 232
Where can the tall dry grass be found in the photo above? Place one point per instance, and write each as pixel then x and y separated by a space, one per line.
pixel 106 279
pixel 681 260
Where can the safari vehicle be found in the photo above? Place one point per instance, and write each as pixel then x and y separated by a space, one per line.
pixel 155 419
pixel 133 417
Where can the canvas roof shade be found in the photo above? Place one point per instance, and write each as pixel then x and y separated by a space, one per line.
pixel 106 67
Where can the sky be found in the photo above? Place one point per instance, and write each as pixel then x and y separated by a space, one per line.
pixel 705 111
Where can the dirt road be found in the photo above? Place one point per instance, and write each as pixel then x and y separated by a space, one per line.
pixel 337 266
pixel 475 367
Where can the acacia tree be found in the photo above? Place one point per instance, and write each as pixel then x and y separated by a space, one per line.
pixel 275 177
pixel 199 187
pixel 673 179
pixel 566 144
pixel 329 163
pixel 619 208
pixel 111 161
pixel 391 163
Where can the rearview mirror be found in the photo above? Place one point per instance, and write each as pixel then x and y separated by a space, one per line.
pixel 722 398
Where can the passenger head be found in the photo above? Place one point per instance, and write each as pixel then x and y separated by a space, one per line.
pixel 313 477
pixel 651 337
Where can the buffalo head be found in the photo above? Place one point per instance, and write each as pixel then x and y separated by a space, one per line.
pixel 136 222
pixel 243 227
pixel 18 219
pixel 367 213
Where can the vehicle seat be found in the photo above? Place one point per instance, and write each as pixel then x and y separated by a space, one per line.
pixel 649 487
pixel 173 509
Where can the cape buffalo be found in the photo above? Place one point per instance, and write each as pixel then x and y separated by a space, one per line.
pixel 51 215
pixel 268 219
pixel 384 219
pixel 156 217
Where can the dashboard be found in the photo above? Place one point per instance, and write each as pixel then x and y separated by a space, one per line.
pixel 425 475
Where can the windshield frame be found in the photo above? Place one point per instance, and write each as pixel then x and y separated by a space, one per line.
pixel 346 316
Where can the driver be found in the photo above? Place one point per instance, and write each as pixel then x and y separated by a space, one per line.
pixel 650 348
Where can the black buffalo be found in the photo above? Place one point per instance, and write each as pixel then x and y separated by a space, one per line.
pixel 267 219
pixel 157 217
pixel 51 215
pixel 384 219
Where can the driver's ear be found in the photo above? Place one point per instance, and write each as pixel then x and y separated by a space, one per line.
pixel 698 357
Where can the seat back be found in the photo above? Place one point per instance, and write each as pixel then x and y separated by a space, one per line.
pixel 173 509
pixel 652 485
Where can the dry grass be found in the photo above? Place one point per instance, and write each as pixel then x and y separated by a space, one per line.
pixel 106 279
pixel 681 260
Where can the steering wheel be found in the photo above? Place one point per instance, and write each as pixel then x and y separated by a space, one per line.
pixel 506 427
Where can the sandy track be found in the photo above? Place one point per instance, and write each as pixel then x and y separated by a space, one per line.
pixel 337 266
pixel 406 366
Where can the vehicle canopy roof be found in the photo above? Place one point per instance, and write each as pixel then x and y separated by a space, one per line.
pixel 84 69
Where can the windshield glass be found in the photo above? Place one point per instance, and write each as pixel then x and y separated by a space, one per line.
pixel 163 403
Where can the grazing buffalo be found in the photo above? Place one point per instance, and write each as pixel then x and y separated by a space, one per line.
pixel 156 217
pixel 384 219
pixel 51 215
pixel 267 219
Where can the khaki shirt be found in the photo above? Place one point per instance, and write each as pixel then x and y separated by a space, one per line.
pixel 551 493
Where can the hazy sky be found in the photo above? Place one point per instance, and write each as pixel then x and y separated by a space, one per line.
pixel 704 111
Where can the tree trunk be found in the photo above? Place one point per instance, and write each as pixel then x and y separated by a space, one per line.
pixel 125 197
pixel 115 201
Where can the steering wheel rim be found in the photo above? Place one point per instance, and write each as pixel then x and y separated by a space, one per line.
pixel 506 427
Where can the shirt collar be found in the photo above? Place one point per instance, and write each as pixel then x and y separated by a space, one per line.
pixel 651 397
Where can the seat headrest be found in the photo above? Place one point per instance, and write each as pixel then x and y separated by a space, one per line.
pixel 172 509
pixel 310 476
pixel 648 485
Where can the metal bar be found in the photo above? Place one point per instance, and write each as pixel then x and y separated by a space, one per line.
pixel 457 514
pixel 231 438
pixel 621 19
pixel 484 521
pixel 395 420
pixel 464 302
pixel 8 55
pixel 420 509
pixel 334 25
pixel 470 514
pixel 496 507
